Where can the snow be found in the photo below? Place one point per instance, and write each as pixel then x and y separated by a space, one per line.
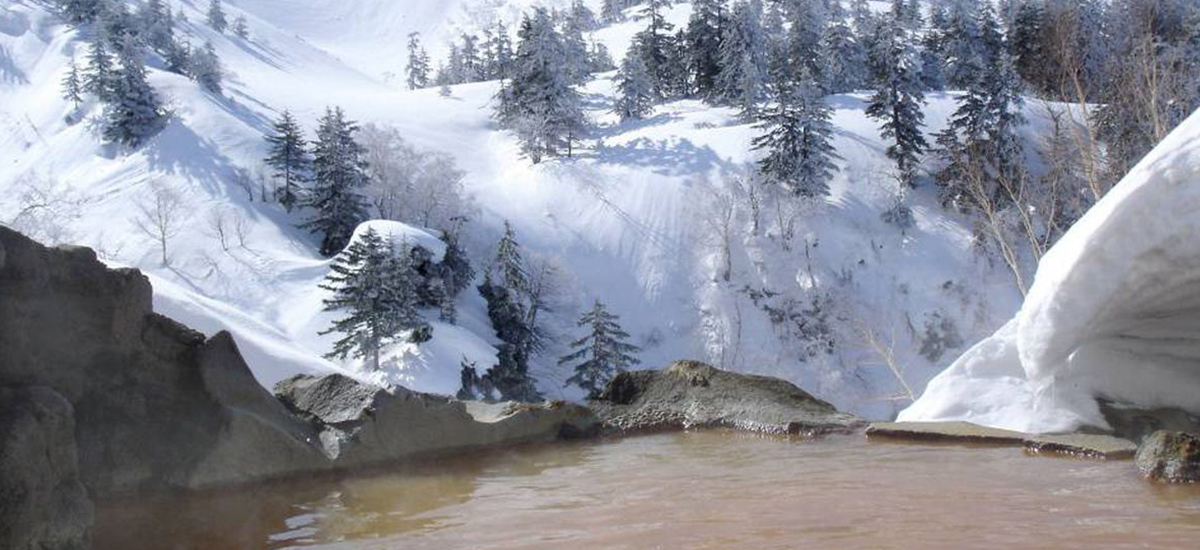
pixel 628 219
pixel 1114 312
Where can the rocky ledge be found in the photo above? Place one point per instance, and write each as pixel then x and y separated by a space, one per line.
pixel 689 394
pixel 361 425
pixel 1099 446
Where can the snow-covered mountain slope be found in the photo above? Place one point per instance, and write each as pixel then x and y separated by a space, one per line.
pixel 630 219
pixel 1114 312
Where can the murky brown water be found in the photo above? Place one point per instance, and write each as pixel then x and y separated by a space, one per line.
pixel 691 490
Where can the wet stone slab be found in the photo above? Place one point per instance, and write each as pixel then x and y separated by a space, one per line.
pixel 1104 447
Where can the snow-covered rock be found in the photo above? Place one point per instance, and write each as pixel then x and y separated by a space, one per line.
pixel 1114 312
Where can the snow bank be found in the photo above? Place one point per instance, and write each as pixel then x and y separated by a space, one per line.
pixel 1114 312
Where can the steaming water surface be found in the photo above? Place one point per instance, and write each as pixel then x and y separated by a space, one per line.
pixel 689 490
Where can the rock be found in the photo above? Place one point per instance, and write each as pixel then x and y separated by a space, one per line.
pixel 363 425
pixel 689 394
pixel 1136 423
pixel 963 432
pixel 1076 444
pixel 1173 457
pixel 43 504
pixel 158 406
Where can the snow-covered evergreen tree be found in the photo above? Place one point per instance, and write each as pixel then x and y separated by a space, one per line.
pixel 612 11
pixel 339 174
pixel 797 134
pixel 500 53
pixel 455 267
pixel 157 25
pixel 205 68
pixel 132 111
pixel 743 59
pixel 635 93
pixel 599 60
pixel 600 355
pixel 178 56
pixel 961 43
pixel 98 78
pixel 375 286
pixel 844 58
pixel 898 99
pixel 806 24
pixel 471 65
pixel 510 377
pixel 702 39
pixel 655 44
pixel 216 16
pixel 575 52
pixel 287 154
pixel 540 103
pixel 418 63
pixel 509 265
pixel 981 140
pixel 72 84
pixel 240 28
pixel 78 11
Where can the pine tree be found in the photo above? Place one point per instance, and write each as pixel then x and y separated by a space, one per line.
pixel 132 113
pixel 982 138
pixel 1025 44
pixel 205 68
pixel 743 59
pixel 961 43
pixel 216 16
pixel 376 287
pixel 418 63
pixel 844 59
pixel 472 69
pixel 508 264
pixel 98 79
pixel 288 156
pixel 655 46
pixel 797 140
pixel 501 52
pixel 539 103
pixel 339 173
pixel 79 11
pixel 510 377
pixel 804 55
pixel 240 29
pixel 575 52
pixel 178 56
pixel 115 22
pixel 72 84
pixel 703 42
pixel 635 93
pixel 157 25
pixel 601 354
pixel 898 98
pixel 455 267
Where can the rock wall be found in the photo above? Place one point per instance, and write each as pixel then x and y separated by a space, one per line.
pixel 43 504
pixel 157 406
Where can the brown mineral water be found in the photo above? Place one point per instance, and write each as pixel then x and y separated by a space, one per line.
pixel 709 489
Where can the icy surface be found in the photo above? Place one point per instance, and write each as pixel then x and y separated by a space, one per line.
pixel 1114 311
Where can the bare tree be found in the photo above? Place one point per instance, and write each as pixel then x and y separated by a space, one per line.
pixel 160 216
pixel 45 209
pixel 412 186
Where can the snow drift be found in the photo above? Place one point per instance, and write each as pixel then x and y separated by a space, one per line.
pixel 1114 312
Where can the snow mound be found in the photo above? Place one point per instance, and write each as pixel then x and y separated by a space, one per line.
pixel 401 234
pixel 1114 312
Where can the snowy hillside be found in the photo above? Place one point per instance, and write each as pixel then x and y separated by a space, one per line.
pixel 634 218
pixel 1112 312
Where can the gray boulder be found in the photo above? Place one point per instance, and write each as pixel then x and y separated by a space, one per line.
pixel 689 394
pixel 157 405
pixel 43 504
pixel 1172 457
pixel 363 425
